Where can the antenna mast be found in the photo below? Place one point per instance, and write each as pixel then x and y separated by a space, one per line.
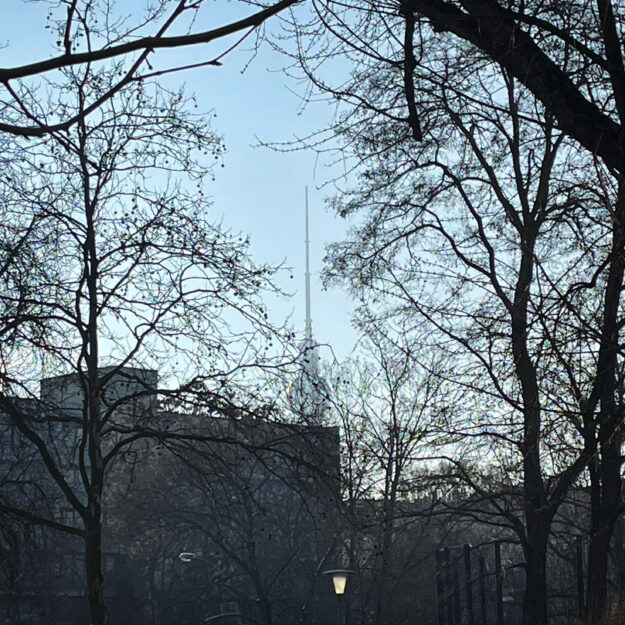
pixel 308 326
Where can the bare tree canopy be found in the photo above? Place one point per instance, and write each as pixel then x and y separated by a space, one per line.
pixel 553 49
pixel 91 32
pixel 567 54
pixel 486 143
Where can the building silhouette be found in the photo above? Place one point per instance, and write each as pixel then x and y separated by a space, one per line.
pixel 255 500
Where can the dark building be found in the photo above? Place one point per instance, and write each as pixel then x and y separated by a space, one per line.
pixel 255 502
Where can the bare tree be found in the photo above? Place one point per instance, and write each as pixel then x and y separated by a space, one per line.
pixel 387 402
pixel 460 231
pixel 110 256
pixel 528 98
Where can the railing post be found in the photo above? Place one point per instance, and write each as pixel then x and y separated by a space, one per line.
pixel 499 582
pixel 468 583
pixel 440 588
pixel 579 565
pixel 482 590
pixel 448 592
pixel 457 599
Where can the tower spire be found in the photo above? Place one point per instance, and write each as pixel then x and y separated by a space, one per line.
pixel 308 326
pixel 308 393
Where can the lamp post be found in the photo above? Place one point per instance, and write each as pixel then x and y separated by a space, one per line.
pixel 339 580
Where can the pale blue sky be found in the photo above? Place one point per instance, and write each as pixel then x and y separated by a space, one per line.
pixel 258 191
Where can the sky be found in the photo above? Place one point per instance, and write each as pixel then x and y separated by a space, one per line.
pixel 258 191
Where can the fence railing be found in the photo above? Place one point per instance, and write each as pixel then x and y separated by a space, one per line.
pixel 483 584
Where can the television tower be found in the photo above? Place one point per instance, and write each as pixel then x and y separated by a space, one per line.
pixel 309 393
pixel 308 324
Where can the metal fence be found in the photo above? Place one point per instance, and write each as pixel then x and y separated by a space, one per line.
pixel 483 584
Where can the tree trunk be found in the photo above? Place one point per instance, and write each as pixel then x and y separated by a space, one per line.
pixel 605 509
pixel 605 470
pixel 535 596
pixel 95 578
pixel 598 569
pixel 385 539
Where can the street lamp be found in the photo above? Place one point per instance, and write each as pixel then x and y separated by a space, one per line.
pixel 339 579
pixel 188 556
